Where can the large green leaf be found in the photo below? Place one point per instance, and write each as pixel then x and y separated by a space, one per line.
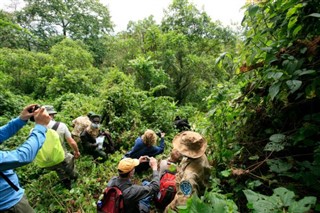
pixel 273 147
pixel 275 75
pixel 302 205
pixel 278 166
pixel 294 85
pixel 277 138
pixel 281 198
pixel 259 202
pixel 274 90
pixel 286 196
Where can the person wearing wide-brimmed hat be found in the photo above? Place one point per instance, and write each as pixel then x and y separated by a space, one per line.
pixel 193 170
pixel 136 197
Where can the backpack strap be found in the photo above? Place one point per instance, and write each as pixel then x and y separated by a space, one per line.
pixel 55 126
pixel 9 181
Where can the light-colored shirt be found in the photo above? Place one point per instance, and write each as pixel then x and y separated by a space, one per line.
pixel 63 132
pixel 80 124
pixel 10 160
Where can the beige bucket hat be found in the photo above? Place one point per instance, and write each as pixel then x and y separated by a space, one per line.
pixel 190 144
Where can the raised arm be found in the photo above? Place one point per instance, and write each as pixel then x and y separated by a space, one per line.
pixel 25 153
pixel 15 125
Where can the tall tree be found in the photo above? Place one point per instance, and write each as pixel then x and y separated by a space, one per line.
pixel 190 46
pixel 11 34
pixel 53 20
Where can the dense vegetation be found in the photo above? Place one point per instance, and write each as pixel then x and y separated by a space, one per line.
pixel 254 94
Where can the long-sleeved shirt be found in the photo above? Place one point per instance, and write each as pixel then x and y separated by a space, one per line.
pixel 132 193
pixel 10 160
pixel 140 148
pixel 195 173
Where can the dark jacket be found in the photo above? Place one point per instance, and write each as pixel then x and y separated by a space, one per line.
pixel 88 141
pixel 132 193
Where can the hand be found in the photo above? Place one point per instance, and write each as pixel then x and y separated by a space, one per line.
pixel 76 155
pixel 25 114
pixel 153 163
pixel 144 159
pixel 41 116
pixel 163 134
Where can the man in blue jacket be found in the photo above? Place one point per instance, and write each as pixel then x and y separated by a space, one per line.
pixel 12 198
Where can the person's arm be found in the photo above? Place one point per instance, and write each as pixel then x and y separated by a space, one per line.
pixel 159 149
pixel 108 143
pixel 74 147
pixel 11 128
pixel 70 140
pixel 29 149
pixel 87 140
pixel 26 152
pixel 15 125
pixel 138 192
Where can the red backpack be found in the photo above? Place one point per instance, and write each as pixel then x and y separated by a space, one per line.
pixel 167 190
pixel 111 202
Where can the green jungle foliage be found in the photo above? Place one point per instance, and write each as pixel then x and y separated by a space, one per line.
pixel 253 94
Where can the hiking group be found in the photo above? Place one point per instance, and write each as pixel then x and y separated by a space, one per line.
pixel 175 179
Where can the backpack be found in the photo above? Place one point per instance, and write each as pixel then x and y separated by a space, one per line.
pixel 167 190
pixel 51 152
pixel 112 201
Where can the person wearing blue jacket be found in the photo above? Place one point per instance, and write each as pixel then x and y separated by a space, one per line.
pixel 12 198
pixel 145 146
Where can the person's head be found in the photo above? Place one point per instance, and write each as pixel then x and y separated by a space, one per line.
pixel 149 137
pixel 175 156
pixel 51 111
pixel 90 113
pixel 190 144
pixel 95 121
pixel 177 118
pixel 127 166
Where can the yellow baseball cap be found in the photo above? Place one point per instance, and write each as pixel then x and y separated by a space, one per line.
pixel 127 164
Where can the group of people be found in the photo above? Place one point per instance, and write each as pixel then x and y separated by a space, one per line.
pixel 93 140
pixel 192 171
pixel 188 154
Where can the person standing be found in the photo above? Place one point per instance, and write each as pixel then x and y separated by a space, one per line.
pixel 193 172
pixel 12 198
pixel 66 169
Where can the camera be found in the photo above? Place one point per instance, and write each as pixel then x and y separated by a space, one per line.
pixel 159 134
pixel 31 110
pixel 147 158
